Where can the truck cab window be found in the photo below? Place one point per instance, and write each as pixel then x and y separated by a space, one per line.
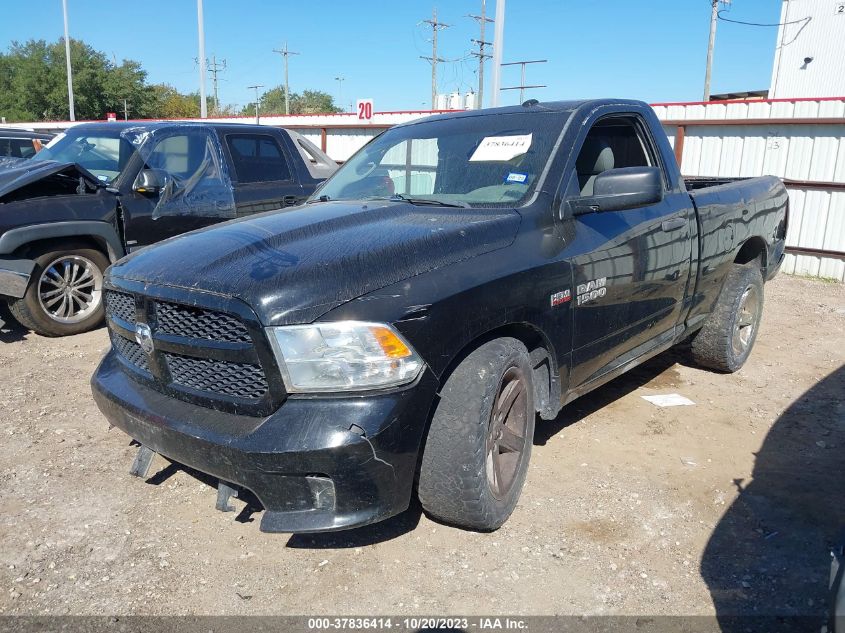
pixel 257 158
pixel 610 144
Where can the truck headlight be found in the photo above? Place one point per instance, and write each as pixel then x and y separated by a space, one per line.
pixel 343 356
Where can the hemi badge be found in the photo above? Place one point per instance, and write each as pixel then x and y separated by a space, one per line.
pixel 559 298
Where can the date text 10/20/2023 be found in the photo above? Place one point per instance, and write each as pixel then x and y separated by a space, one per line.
pixel 416 623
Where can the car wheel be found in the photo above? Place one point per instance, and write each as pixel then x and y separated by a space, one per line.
pixel 478 446
pixel 65 293
pixel 729 333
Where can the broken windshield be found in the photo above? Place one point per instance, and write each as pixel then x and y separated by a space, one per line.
pixel 102 152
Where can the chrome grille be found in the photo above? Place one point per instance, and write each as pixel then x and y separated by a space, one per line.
pixel 180 320
pixel 120 305
pixel 240 380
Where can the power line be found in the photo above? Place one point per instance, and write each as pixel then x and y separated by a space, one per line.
pixel 723 19
pixel 522 85
pixel 435 26
pixel 482 21
pixel 286 53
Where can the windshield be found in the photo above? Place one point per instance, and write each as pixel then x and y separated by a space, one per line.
pixel 492 160
pixel 102 152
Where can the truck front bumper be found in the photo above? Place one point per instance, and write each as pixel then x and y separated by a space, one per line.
pixel 14 276
pixel 316 464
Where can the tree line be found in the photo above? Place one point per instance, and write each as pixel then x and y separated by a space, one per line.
pixel 33 87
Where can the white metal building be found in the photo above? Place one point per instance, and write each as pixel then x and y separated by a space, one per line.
pixel 810 50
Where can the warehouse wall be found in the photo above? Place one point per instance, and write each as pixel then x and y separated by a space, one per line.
pixel 800 141
pixel 811 30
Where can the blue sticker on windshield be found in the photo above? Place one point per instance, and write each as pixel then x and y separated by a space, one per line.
pixel 516 177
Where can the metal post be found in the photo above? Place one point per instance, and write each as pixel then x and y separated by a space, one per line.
pixel 435 26
pixel 287 86
pixel 340 80
pixel 201 31
pixel 498 51
pixel 69 70
pixel 286 53
pixel 482 56
pixel 434 60
pixel 214 69
pixel 256 87
pixel 714 18
pixel 522 85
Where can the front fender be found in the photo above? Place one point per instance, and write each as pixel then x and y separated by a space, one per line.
pixel 104 232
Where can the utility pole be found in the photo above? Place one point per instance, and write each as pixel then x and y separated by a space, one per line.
pixel 257 120
pixel 125 110
pixel 714 18
pixel 522 85
pixel 215 68
pixel 69 71
pixel 340 79
pixel 498 51
pixel 435 26
pixel 482 21
pixel 201 32
pixel 286 53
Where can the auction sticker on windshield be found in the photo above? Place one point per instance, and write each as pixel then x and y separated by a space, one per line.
pixel 501 148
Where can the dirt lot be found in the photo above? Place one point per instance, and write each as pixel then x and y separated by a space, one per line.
pixel 726 506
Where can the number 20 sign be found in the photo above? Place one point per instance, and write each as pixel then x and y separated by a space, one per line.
pixel 365 109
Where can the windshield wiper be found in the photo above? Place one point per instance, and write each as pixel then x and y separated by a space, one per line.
pixel 427 201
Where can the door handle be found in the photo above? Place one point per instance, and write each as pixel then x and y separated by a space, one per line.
pixel 289 201
pixel 674 224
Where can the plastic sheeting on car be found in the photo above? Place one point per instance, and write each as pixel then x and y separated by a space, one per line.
pixel 188 162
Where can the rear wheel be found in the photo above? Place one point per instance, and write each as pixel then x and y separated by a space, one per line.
pixel 476 454
pixel 65 293
pixel 728 335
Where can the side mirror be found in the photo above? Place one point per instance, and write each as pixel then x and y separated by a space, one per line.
pixel 150 182
pixel 623 188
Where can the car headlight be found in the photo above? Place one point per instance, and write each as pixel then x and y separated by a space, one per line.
pixel 343 356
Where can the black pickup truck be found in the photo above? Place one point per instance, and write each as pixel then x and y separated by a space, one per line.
pixel 454 280
pixel 101 190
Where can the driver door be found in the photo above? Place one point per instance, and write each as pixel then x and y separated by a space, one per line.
pixel 194 191
pixel 631 266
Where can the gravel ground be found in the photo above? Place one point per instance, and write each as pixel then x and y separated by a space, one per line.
pixel 727 506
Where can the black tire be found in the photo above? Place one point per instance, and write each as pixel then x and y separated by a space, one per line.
pixel 729 333
pixel 32 312
pixel 461 482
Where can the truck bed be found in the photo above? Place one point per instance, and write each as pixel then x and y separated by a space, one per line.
pixel 703 182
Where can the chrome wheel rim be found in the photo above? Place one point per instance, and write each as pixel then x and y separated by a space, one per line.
pixel 506 433
pixel 746 321
pixel 70 289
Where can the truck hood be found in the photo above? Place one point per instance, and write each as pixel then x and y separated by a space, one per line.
pixel 15 174
pixel 292 267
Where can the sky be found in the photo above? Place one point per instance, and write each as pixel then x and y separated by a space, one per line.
pixel 653 50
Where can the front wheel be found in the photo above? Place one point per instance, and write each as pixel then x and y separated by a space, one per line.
pixel 477 450
pixel 65 293
pixel 728 335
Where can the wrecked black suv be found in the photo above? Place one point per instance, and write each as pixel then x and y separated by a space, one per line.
pixel 401 332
